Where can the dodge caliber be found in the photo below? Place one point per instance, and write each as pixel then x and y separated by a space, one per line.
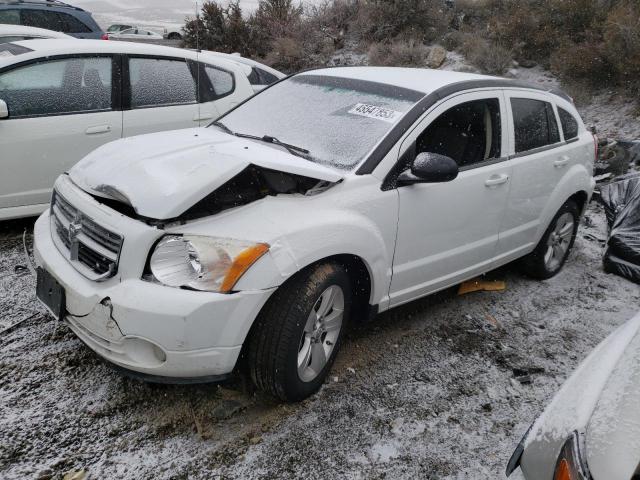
pixel 328 197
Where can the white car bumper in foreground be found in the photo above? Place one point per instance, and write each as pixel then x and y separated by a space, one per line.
pixel 161 333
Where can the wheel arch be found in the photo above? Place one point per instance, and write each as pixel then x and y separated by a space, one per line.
pixel 577 185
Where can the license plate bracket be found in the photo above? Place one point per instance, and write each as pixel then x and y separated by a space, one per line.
pixel 50 293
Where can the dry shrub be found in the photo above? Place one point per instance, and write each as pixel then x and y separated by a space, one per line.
pixel 384 20
pixel 286 54
pixel 584 62
pixel 622 43
pixel 332 19
pixel 489 57
pixel 399 53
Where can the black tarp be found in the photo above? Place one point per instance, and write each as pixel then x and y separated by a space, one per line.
pixel 621 200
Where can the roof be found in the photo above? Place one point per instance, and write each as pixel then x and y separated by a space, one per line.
pixel 40 3
pixel 428 81
pixel 420 79
pixel 76 46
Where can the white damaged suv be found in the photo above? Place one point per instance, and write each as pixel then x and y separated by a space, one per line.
pixel 329 196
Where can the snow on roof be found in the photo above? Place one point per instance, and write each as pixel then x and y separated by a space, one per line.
pixel 53 47
pixel 420 79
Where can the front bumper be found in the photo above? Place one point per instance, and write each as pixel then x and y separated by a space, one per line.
pixel 154 330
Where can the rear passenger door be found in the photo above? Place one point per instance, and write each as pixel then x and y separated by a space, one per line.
pixel 539 161
pixel 159 94
pixel 60 109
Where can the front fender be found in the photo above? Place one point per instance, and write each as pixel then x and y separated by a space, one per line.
pixel 331 233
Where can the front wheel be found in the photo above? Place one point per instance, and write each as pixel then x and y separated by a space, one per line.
pixel 553 249
pixel 298 333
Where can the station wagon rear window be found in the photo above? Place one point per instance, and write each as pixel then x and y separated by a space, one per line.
pixel 11 49
pixel 339 120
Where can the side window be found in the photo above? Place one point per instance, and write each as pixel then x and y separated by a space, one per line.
pixel 71 24
pixel 266 77
pixel 569 124
pixel 159 82
pixel 73 85
pixel 534 124
pixel 254 77
pixel 222 81
pixel 41 19
pixel 469 133
pixel 10 17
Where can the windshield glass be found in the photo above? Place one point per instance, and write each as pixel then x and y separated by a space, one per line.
pixel 339 120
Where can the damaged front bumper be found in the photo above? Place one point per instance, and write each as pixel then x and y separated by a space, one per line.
pixel 161 333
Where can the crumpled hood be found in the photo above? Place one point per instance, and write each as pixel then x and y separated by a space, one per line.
pixel 613 434
pixel 162 174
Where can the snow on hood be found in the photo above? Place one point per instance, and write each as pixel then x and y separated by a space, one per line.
pixel 162 174
pixel 613 434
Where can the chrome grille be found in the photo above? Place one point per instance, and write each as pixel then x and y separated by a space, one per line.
pixel 92 249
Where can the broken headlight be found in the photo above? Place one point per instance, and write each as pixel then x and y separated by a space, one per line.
pixel 570 464
pixel 203 263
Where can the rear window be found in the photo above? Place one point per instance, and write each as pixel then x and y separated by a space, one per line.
pixel 11 49
pixel 535 124
pixel 569 124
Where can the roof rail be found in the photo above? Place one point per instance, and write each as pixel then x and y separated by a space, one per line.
pixel 50 3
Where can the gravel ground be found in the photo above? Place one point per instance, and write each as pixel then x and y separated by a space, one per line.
pixel 424 391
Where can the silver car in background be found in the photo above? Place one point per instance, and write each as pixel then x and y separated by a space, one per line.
pixel 591 429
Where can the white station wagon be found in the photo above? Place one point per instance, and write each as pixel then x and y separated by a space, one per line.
pixel 61 99
pixel 327 197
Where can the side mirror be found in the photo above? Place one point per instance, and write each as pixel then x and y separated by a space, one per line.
pixel 429 168
pixel 4 109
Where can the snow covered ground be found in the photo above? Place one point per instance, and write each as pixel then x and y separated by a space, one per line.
pixel 425 391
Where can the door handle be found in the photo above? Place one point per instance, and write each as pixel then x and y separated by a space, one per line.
pixel 98 129
pixel 204 116
pixel 495 180
pixel 561 162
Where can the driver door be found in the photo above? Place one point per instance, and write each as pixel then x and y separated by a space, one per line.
pixel 448 232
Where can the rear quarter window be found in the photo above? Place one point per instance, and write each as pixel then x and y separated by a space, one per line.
pixel 569 124
pixel 535 124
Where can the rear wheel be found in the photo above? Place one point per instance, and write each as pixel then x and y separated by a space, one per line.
pixel 299 332
pixel 553 249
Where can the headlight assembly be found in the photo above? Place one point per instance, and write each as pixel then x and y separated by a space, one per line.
pixel 203 263
pixel 570 464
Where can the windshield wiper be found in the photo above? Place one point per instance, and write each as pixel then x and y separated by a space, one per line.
pixel 292 149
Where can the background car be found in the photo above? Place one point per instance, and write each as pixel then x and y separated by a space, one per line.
pixel 590 429
pixel 60 99
pixel 51 15
pixel 118 27
pixel 260 75
pixel 135 33
pixel 15 33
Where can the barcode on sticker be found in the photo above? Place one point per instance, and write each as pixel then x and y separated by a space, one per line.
pixel 373 111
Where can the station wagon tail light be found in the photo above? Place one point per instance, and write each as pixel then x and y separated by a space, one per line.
pixel 105 36
pixel 203 263
pixel 570 465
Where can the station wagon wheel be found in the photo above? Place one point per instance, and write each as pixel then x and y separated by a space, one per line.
pixel 299 331
pixel 553 249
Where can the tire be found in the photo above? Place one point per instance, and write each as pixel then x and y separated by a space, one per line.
pixel 554 247
pixel 282 340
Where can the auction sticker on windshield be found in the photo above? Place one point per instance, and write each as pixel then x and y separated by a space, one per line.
pixel 373 111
